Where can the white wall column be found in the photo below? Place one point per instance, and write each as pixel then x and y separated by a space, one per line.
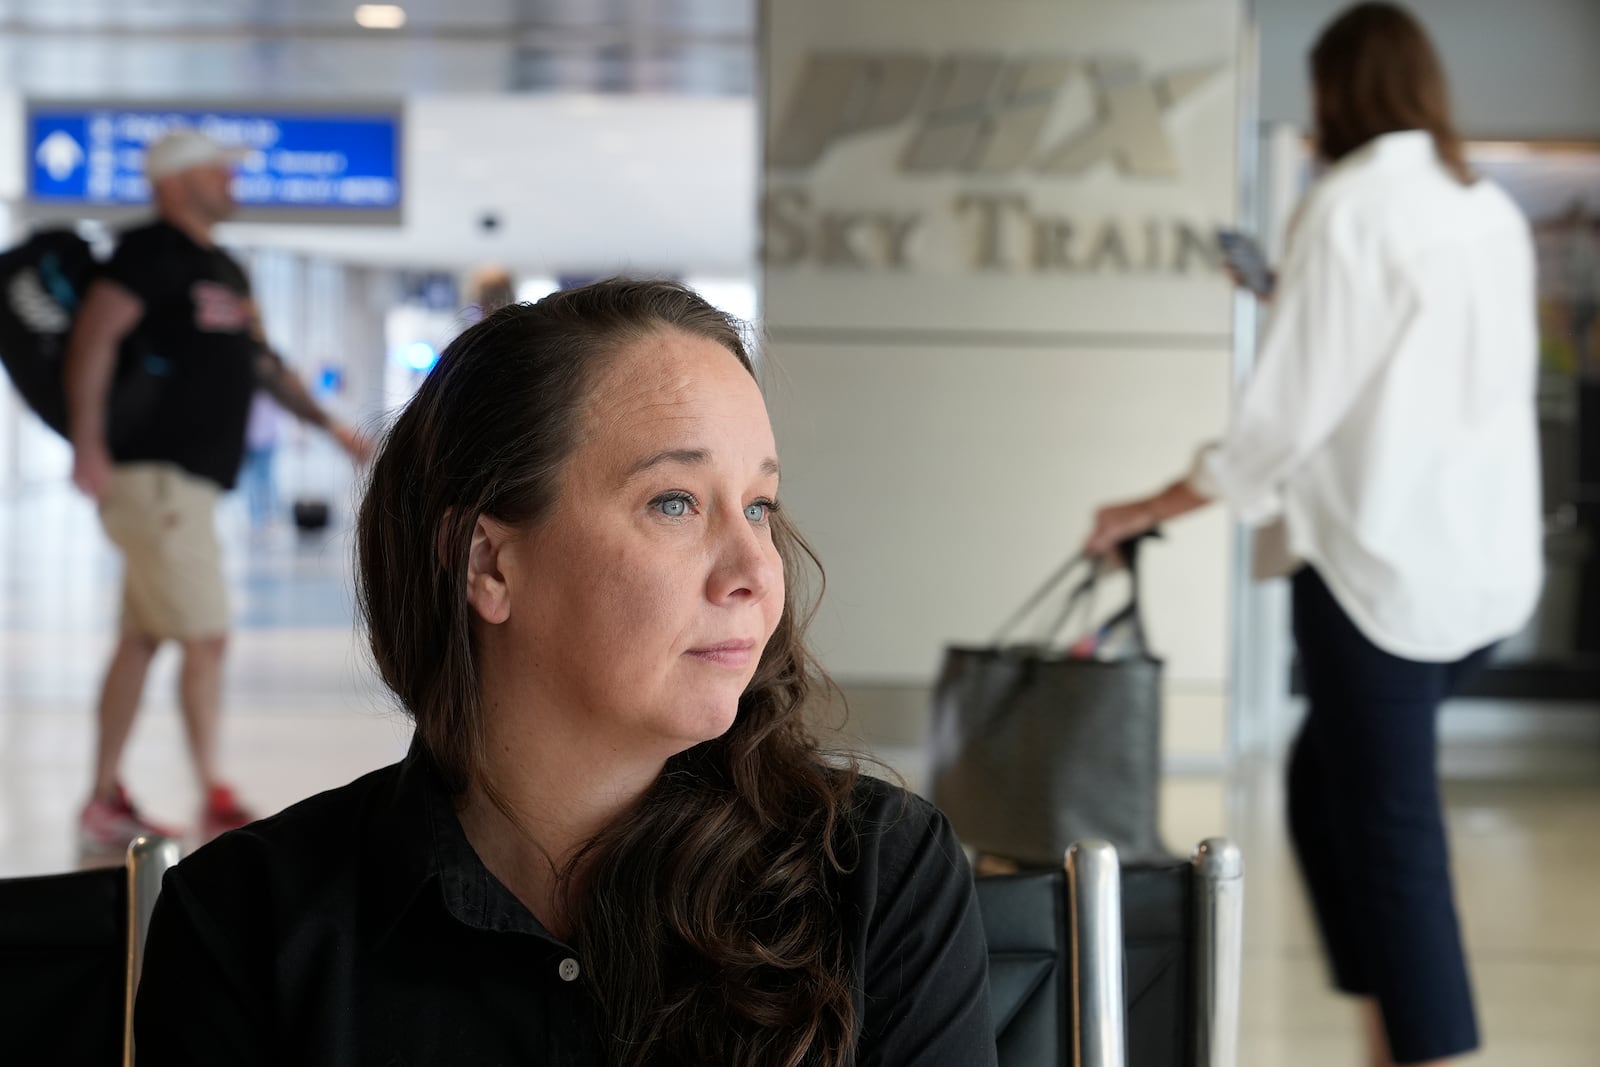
pixel 993 305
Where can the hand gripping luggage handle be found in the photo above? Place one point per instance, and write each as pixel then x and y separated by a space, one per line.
pixel 1131 615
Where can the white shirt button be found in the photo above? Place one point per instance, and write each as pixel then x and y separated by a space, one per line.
pixel 568 970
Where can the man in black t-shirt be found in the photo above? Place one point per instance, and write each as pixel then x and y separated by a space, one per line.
pixel 188 305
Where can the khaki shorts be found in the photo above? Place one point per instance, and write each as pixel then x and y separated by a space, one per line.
pixel 164 520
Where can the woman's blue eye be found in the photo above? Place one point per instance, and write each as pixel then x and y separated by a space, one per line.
pixel 761 510
pixel 673 507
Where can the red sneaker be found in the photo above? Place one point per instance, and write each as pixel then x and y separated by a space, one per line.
pixel 223 812
pixel 108 825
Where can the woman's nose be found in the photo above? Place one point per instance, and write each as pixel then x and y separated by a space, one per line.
pixel 746 564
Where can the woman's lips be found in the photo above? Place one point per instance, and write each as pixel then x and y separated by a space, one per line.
pixel 731 654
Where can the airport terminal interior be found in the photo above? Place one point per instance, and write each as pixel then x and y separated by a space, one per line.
pixel 967 345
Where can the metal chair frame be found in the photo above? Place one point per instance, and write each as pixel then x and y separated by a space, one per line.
pixel 147 861
pixel 1097 982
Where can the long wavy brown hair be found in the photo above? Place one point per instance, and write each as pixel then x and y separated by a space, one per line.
pixel 1375 71
pixel 708 922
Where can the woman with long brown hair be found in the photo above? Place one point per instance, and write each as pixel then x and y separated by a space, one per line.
pixel 1390 426
pixel 614 840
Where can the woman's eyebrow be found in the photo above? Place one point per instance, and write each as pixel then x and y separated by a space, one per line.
pixel 690 457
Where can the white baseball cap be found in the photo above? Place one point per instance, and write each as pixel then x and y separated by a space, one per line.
pixel 181 148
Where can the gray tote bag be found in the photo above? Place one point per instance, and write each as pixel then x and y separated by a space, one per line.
pixel 1037 745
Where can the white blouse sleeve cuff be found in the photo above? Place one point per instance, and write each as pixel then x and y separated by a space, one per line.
pixel 1212 477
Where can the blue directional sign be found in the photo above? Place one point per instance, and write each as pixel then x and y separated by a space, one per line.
pixel 298 162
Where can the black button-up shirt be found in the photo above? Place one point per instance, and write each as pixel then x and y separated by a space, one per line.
pixel 360 927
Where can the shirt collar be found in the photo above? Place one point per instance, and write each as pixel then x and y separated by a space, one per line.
pixel 1403 147
pixel 424 857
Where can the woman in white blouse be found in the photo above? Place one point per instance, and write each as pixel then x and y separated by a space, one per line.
pixel 1390 425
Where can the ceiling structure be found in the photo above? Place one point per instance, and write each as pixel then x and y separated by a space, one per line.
pixel 315 48
pixel 594 133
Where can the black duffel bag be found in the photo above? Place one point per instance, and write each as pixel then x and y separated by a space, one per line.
pixel 42 283
pixel 1037 745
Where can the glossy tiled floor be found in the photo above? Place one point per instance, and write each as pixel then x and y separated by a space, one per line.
pixel 304 714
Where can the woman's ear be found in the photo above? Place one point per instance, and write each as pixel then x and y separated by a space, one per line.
pixel 487 589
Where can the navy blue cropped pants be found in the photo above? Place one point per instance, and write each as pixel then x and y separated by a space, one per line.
pixel 1368 829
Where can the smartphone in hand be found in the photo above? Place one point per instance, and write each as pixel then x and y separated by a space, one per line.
pixel 1241 253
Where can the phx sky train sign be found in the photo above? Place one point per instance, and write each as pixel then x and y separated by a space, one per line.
pixel 970 154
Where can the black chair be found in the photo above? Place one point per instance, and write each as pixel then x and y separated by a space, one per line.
pixel 1053 972
pixel 1182 931
pixel 1099 966
pixel 71 947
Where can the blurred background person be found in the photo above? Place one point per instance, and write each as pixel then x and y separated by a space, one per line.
pixel 256 475
pixel 1391 424
pixel 191 303
pixel 491 290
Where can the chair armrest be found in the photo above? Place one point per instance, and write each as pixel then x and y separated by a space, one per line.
pixel 1099 1000
pixel 148 860
pixel 1218 951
